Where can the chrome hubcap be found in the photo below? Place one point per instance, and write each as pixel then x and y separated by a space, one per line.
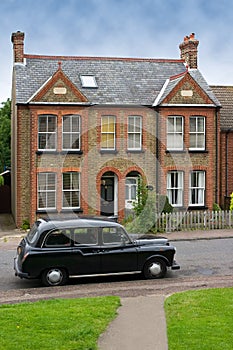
pixel 54 276
pixel 155 269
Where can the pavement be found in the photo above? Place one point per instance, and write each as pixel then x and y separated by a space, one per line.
pixel 140 323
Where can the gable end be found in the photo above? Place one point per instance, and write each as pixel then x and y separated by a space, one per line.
pixel 59 88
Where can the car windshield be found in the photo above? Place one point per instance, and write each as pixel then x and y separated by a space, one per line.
pixel 32 235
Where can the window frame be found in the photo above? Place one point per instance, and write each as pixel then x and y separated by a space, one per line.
pixel 71 191
pixel 108 133
pixel 197 189
pixel 71 132
pixel 46 191
pixel 47 133
pixel 88 81
pixel 197 133
pixel 134 132
pixel 175 191
pixel 175 132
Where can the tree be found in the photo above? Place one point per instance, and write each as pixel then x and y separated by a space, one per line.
pixel 5 135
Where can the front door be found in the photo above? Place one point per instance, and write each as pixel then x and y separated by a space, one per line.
pixel 107 195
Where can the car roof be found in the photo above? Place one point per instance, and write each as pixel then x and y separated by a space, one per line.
pixel 73 223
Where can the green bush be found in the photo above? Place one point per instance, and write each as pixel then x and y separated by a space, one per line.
pixel 26 225
pixel 1 180
pixel 216 207
pixel 146 210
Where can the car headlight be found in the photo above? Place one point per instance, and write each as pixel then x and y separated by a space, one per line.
pixel 19 250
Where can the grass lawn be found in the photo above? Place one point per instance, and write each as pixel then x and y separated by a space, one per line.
pixel 56 324
pixel 200 320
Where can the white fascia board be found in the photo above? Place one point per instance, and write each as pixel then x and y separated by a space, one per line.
pixel 42 86
pixel 161 93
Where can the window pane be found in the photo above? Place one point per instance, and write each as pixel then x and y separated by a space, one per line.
pixel 197 133
pixel 175 133
pixel 192 124
pixel 42 124
pixel 200 124
pixel 75 141
pixel 71 193
pixel 178 124
pixel 51 124
pixel 171 125
pixel 46 190
pixel 66 124
pixel 175 188
pixel 200 141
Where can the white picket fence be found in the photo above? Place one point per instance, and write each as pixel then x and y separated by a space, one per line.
pixel 194 220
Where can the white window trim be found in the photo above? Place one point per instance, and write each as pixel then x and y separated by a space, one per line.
pixel 72 132
pixel 46 191
pixel 198 132
pixel 179 188
pixel 71 190
pixel 135 133
pixel 130 201
pixel 88 81
pixel 176 133
pixel 199 188
pixel 46 132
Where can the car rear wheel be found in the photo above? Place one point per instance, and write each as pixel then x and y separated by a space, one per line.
pixel 54 277
pixel 155 268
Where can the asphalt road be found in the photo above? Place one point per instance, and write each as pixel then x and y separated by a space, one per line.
pixel 200 260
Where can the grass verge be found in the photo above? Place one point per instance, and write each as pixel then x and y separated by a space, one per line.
pixel 56 324
pixel 200 320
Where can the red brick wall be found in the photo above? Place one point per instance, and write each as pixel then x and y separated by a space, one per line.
pixel 187 161
pixel 226 166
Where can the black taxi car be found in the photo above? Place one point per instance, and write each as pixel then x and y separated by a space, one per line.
pixel 57 250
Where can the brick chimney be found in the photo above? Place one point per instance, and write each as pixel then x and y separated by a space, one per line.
pixel 18 46
pixel 188 50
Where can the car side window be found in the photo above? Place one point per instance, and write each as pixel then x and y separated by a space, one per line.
pixel 114 235
pixel 58 238
pixel 85 235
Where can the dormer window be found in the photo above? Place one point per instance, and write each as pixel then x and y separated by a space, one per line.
pixel 88 81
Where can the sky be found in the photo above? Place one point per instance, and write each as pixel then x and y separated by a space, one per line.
pixel 119 28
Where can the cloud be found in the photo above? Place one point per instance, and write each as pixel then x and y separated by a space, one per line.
pixel 149 28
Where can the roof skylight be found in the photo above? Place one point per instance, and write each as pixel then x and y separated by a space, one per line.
pixel 88 81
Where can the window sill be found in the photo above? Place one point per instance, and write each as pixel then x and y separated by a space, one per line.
pixel 46 211
pixel 71 152
pixel 135 151
pixel 39 153
pixel 176 151
pixel 70 210
pixel 197 207
pixel 198 151
pixel 110 151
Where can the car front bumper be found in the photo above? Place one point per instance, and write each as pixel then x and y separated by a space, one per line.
pixel 18 272
pixel 175 266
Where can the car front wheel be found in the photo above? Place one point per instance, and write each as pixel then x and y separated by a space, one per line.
pixel 155 268
pixel 54 277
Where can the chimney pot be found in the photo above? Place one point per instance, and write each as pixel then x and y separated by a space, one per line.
pixel 188 50
pixel 18 46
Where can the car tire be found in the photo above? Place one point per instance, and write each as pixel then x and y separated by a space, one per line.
pixel 54 277
pixel 155 268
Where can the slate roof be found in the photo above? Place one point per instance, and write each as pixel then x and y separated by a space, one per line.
pixel 120 80
pixel 225 96
pixel 198 77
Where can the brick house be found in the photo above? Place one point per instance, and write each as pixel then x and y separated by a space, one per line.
pixel 225 96
pixel 85 128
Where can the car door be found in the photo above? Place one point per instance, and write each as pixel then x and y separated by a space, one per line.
pixel 117 252
pixel 85 257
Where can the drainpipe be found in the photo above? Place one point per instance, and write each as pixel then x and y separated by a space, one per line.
pixel 226 162
pixel 157 153
pixel 216 163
